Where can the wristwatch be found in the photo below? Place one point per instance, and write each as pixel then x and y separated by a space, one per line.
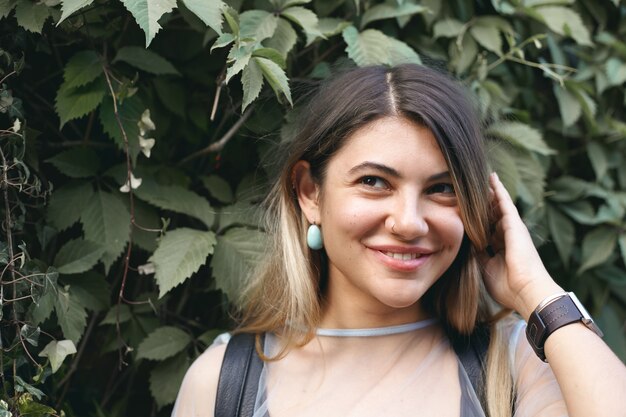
pixel 553 313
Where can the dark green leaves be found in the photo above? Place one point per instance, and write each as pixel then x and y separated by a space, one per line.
pixel 145 60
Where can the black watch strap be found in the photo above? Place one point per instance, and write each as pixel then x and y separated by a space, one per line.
pixel 543 322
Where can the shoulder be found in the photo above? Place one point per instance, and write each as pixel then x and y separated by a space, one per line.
pixel 196 397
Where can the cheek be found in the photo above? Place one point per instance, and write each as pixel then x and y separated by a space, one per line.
pixel 451 227
pixel 349 215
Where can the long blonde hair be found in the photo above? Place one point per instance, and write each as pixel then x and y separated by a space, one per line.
pixel 287 290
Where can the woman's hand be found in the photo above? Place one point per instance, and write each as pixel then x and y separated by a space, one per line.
pixel 515 275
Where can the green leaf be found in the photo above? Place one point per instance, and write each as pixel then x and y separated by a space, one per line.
pixel 130 111
pixel 597 246
pixel 180 253
pixel 166 378
pixel 599 159
pixel 73 103
pixel 569 106
pixel 30 334
pixel 257 24
pixel 21 386
pixel 70 6
pixel 67 204
pixel 239 57
pixel 219 187
pixel 275 77
pixel 147 14
pixel 447 28
pixel 622 246
pixel 272 55
pixel 41 309
pixel 501 159
pixel 56 352
pixel 488 37
pixel 520 135
pixel 306 19
pixel 532 183
pixel 563 233
pixel 232 18
pixel 6 6
pixel 209 336
pixel 463 56
pixel 615 71
pixel 90 289
pixel 71 314
pixel 252 82
pixel 145 60
pixel 31 16
pixel 565 21
pixel 401 53
pixel 163 343
pixel 119 312
pixel 331 26
pixel 237 252
pixel 78 162
pixel 210 12
pixel 106 220
pixel 32 408
pixel 81 69
pixel 147 218
pixel 77 256
pixel 390 9
pixel 241 213
pixel 372 47
pixel 223 40
pixel 177 199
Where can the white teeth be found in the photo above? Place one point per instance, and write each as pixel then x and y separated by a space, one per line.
pixel 403 256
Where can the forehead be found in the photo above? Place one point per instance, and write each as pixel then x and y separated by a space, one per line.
pixel 397 142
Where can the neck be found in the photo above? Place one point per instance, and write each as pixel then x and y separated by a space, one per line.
pixel 351 313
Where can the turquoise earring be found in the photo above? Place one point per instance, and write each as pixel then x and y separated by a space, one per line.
pixel 314 237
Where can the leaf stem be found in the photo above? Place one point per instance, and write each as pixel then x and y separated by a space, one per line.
pixel 219 145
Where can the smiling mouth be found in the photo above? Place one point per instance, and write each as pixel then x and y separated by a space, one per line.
pixel 402 256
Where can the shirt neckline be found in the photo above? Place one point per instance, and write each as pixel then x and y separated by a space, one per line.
pixel 376 331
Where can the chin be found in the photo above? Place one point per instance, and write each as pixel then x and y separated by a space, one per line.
pixel 402 300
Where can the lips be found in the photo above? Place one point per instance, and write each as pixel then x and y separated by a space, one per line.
pixel 401 258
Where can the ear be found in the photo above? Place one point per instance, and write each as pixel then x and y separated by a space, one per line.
pixel 307 191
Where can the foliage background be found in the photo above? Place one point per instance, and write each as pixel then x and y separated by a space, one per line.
pixel 113 283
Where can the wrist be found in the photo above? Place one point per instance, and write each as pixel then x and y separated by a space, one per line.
pixel 533 294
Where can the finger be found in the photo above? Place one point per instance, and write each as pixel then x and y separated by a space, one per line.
pixel 504 202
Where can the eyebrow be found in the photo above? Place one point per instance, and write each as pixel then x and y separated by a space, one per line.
pixel 391 171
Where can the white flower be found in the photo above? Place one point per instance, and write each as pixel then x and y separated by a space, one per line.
pixel 134 184
pixel 17 125
pixel 146 269
pixel 146 145
pixel 145 123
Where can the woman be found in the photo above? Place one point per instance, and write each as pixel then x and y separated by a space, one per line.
pixel 389 180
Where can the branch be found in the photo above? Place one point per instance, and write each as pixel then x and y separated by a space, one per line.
pixel 120 297
pixel 219 145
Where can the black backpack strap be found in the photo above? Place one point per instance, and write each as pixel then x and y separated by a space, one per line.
pixel 472 353
pixel 239 377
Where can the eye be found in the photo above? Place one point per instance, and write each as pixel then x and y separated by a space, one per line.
pixel 442 188
pixel 374 182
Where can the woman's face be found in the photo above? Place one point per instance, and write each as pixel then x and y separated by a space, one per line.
pixel 389 217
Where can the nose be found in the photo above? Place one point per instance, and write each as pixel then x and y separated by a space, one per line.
pixel 408 218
